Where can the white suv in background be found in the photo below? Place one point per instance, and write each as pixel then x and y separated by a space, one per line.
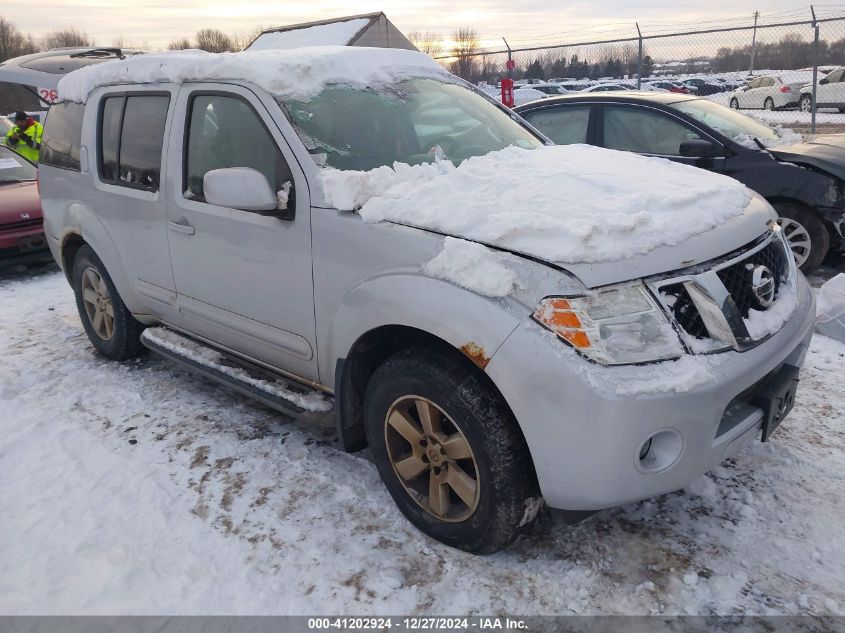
pixel 830 93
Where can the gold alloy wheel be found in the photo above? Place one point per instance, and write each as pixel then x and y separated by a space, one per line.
pixel 98 305
pixel 432 459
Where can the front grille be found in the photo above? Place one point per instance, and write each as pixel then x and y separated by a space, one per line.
pixel 684 310
pixel 737 279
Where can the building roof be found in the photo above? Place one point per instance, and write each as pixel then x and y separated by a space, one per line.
pixel 343 31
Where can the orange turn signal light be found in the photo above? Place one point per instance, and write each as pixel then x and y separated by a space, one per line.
pixel 560 317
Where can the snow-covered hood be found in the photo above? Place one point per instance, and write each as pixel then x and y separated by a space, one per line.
pixel 606 216
pixel 825 151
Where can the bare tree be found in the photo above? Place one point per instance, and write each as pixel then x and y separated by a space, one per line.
pixel 465 50
pixel 178 45
pixel 66 38
pixel 214 41
pixel 13 43
pixel 427 42
pixel 242 39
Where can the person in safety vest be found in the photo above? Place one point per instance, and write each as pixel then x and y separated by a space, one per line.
pixel 25 137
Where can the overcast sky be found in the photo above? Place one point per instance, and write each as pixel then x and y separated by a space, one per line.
pixel 524 22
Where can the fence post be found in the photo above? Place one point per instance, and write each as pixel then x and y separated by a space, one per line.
pixel 815 71
pixel 639 58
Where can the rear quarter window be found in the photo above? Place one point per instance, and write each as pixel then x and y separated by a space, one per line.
pixel 62 136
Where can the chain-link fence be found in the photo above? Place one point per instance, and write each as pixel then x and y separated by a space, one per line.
pixel 766 70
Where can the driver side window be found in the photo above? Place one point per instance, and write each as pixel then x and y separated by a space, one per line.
pixel 644 131
pixel 224 131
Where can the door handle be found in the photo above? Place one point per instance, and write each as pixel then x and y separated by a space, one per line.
pixel 181 226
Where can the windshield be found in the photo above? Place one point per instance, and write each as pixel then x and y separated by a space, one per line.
pixel 411 122
pixel 736 126
pixel 13 168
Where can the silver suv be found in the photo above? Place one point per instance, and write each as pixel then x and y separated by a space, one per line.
pixel 189 201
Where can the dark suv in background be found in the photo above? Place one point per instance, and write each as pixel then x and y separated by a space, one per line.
pixel 803 180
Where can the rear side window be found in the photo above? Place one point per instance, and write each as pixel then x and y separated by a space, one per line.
pixel 62 136
pixel 131 136
pixel 563 125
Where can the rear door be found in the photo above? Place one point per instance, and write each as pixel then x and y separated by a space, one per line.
pixel 129 190
pixel 564 124
pixel 243 279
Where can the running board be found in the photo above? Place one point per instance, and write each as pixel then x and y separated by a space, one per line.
pixel 287 396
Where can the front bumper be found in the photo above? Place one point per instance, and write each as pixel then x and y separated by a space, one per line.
pixel 585 438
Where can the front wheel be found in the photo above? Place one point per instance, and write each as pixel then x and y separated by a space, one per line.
pixel 735 104
pixel 806 103
pixel 110 327
pixel 769 104
pixel 449 451
pixel 805 233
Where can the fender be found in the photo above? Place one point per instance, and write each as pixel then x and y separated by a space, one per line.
pixel 94 233
pixel 471 323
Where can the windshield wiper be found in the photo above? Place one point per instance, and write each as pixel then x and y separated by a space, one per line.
pixel 760 144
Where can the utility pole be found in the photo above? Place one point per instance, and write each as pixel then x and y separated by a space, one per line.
pixel 754 43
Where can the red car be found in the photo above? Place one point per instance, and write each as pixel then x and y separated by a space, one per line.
pixel 21 222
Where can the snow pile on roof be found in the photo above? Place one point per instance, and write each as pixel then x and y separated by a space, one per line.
pixel 294 74
pixel 575 203
pixel 472 266
pixel 332 34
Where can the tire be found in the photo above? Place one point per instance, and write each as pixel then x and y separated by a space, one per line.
pixel 769 104
pixel 806 103
pixel 806 234
pixel 490 514
pixel 114 333
pixel 735 104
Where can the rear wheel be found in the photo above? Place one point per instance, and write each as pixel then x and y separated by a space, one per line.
pixel 735 104
pixel 110 327
pixel 449 451
pixel 805 233
pixel 769 104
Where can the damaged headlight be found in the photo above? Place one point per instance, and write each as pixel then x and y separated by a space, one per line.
pixel 615 326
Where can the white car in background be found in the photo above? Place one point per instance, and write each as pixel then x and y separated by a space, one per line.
pixel 830 92
pixel 768 92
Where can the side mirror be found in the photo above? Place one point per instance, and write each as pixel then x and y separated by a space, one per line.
pixel 823 80
pixel 699 148
pixel 242 188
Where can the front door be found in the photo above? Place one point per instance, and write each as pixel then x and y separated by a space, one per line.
pixel 651 132
pixel 243 279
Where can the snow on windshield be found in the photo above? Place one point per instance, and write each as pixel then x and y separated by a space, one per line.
pixel 572 203
pixel 296 74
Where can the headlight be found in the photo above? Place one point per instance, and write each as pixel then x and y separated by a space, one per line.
pixel 616 326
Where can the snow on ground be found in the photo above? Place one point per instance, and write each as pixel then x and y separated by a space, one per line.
pixel 624 208
pixel 138 488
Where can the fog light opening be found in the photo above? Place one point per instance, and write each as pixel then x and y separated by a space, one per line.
pixel 660 451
